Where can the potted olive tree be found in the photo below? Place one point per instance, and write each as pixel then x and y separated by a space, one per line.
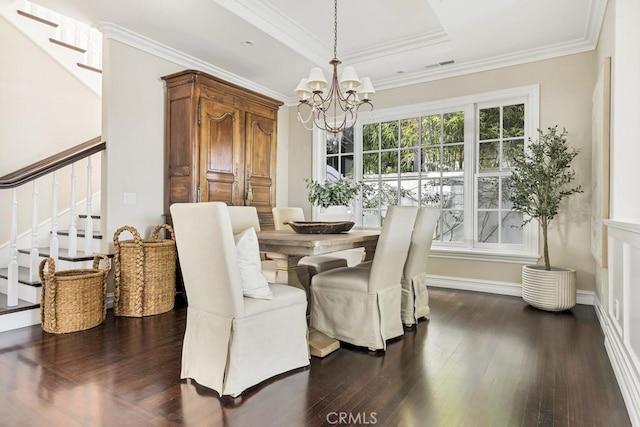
pixel 334 198
pixel 541 179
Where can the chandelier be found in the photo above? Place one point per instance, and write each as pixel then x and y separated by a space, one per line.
pixel 333 109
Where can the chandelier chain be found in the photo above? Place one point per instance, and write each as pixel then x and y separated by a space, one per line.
pixel 335 29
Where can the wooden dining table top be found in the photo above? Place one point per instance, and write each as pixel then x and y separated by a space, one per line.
pixel 291 243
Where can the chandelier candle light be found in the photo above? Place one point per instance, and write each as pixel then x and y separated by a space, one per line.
pixel 334 109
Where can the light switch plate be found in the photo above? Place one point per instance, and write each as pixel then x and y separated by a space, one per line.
pixel 129 198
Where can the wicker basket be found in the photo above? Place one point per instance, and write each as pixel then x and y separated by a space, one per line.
pixel 73 300
pixel 145 273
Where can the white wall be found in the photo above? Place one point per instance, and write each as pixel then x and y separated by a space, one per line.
pixel 33 87
pixel 625 146
pixel 606 45
pixel 133 125
pixel 617 290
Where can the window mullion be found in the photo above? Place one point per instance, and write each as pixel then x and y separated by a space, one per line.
pixel 357 172
pixel 470 216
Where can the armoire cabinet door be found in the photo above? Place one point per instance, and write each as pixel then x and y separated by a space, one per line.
pixel 220 143
pixel 260 161
pixel 221 154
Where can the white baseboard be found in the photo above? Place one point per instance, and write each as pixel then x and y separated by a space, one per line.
pixel 628 378
pixel 20 319
pixel 492 287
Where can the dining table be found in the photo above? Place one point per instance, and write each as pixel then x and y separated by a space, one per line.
pixel 291 247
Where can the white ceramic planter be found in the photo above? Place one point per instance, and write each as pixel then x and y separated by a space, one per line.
pixel 553 290
pixel 336 213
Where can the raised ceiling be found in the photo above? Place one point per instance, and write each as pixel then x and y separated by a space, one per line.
pixel 396 43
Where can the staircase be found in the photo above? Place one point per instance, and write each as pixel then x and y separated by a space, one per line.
pixel 72 246
pixel 75 45
pixel 27 310
pixel 37 227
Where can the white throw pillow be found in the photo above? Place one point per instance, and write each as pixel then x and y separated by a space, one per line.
pixel 254 282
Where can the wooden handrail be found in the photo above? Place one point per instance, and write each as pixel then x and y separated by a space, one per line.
pixel 52 163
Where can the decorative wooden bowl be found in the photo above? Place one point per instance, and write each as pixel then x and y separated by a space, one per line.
pixel 319 227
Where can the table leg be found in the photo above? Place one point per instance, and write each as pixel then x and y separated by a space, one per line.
pixel 369 250
pixel 321 345
pixel 287 271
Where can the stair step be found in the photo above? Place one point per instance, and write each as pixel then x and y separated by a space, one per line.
pixel 89 67
pixel 63 254
pixel 80 233
pixel 84 216
pixel 37 18
pixel 67 45
pixel 23 276
pixel 22 305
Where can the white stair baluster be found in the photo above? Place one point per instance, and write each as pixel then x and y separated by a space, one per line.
pixel 88 224
pixel 54 244
pixel 88 56
pixel 73 231
pixel 12 286
pixel 34 254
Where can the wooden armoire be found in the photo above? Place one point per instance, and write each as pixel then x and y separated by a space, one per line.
pixel 220 144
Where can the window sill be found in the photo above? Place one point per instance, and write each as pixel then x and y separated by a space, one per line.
pixel 484 255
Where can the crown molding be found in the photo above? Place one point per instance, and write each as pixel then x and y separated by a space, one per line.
pixel 397 46
pixel 269 19
pixel 597 11
pixel 123 35
pixel 495 62
pixel 464 68
pixel 263 15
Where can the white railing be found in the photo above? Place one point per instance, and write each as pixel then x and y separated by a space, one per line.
pixel 67 31
pixel 12 285
pixel 45 232
pixel 71 32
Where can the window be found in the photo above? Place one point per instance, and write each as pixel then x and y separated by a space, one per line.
pixel 500 138
pixel 455 155
pixel 339 155
pixel 418 161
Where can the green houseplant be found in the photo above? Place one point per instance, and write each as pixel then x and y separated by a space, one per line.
pixel 332 193
pixel 334 198
pixel 541 179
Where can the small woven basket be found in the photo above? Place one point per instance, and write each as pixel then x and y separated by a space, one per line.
pixel 145 273
pixel 73 300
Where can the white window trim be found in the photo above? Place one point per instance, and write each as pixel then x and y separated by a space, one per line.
pixel 530 252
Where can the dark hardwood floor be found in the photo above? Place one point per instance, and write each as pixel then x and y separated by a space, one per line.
pixel 481 360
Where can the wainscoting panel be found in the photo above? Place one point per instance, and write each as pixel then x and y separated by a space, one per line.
pixel 621 319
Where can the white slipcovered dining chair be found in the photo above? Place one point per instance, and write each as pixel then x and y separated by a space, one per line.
pixel 361 306
pixel 232 342
pixel 318 263
pixel 415 296
pixel 243 217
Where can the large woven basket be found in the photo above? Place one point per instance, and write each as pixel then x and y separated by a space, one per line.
pixel 145 273
pixel 73 300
